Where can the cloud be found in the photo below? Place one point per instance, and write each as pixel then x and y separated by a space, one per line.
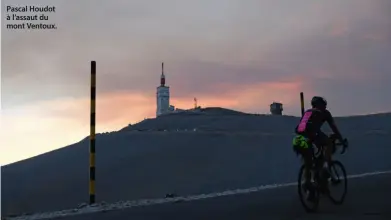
pixel 228 53
pixel 48 125
pixel 204 44
pixel 339 28
pixel 113 110
pixel 32 129
pixel 123 107
pixel 23 135
pixel 253 98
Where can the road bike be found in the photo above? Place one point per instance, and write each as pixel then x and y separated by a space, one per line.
pixel 321 182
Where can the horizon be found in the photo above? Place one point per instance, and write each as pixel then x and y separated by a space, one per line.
pixel 118 130
pixel 236 55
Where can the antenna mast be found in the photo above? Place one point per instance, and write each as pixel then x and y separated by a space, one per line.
pixel 195 103
pixel 162 77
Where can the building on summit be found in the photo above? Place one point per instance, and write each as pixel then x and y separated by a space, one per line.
pixel 163 96
pixel 163 101
pixel 163 106
pixel 276 108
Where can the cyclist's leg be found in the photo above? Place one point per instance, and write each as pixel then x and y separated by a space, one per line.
pixel 307 157
pixel 323 140
pixel 300 146
pixel 303 146
pixel 308 160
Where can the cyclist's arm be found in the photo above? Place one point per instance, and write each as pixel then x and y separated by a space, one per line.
pixel 330 120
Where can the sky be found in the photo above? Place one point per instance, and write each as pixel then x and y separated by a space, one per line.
pixel 238 54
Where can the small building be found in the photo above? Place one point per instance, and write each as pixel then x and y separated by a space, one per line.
pixel 276 108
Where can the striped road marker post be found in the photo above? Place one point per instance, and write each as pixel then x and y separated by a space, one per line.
pixel 302 103
pixel 92 133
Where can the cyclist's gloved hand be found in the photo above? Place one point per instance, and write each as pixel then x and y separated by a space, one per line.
pixel 345 144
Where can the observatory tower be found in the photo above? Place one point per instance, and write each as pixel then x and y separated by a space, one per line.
pixel 162 95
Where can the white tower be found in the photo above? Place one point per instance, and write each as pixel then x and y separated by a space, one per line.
pixel 162 95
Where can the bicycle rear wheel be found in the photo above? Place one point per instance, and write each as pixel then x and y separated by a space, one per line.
pixel 339 179
pixel 309 206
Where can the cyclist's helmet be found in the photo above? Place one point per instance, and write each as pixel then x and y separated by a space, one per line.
pixel 318 102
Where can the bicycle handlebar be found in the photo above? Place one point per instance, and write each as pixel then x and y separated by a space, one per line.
pixel 344 142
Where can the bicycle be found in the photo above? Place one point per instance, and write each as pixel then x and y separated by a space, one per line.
pixel 319 184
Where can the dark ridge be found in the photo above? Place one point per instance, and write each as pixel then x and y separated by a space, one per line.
pixel 221 119
pixel 222 111
pixel 211 150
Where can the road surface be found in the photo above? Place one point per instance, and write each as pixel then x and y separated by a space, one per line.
pixel 368 198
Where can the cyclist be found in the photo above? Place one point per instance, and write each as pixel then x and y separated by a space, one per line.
pixel 309 133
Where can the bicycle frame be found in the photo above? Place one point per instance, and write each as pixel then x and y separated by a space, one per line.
pixel 318 158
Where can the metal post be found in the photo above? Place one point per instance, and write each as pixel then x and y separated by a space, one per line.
pixel 302 103
pixel 92 133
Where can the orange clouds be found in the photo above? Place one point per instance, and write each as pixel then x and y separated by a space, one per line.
pixel 44 126
pixel 112 109
pixel 24 136
pixel 255 98
pixel 115 110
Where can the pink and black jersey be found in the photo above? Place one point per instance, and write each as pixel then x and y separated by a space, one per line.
pixel 312 121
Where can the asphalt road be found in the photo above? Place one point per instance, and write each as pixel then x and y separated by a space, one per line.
pixel 368 198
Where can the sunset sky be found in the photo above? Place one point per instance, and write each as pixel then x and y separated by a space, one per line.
pixel 239 54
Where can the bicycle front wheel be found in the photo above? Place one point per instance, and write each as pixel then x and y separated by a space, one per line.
pixel 309 205
pixel 337 182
